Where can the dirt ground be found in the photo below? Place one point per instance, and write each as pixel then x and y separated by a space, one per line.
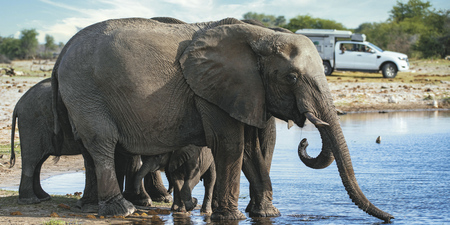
pixel 425 87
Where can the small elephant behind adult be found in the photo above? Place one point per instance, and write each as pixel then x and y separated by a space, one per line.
pixel 35 122
pixel 34 114
pixel 184 169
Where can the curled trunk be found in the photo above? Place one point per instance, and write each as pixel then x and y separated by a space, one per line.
pixel 333 138
pixel 323 160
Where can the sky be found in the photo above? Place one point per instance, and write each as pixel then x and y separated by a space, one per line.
pixel 63 18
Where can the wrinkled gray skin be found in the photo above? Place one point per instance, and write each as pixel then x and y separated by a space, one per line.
pixel 126 167
pixel 34 114
pixel 184 169
pixel 35 122
pixel 154 186
pixel 138 83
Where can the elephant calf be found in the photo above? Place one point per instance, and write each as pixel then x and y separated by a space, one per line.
pixel 184 169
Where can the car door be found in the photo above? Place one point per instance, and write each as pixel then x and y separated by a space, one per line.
pixel 365 58
pixel 344 59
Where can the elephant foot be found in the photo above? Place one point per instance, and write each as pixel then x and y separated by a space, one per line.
pixel 46 198
pixel 142 202
pixel 141 199
pixel 28 201
pixel 177 208
pixel 190 205
pixel 116 206
pixel 163 198
pixel 87 206
pixel 263 210
pixel 206 210
pixel 181 215
pixel 271 211
pixel 227 215
pixel 42 195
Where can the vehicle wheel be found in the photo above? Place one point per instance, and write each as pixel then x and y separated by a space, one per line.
pixel 327 68
pixel 389 70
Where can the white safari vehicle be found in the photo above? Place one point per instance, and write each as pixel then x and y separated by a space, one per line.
pixel 355 54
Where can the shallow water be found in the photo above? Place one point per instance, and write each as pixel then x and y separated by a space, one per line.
pixel 407 174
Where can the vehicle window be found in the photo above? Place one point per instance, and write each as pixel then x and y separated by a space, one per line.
pixel 375 47
pixel 359 48
pixel 346 47
pixel 365 48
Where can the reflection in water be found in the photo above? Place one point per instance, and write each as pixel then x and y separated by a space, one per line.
pixel 407 174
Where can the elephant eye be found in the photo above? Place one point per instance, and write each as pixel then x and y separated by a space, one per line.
pixel 291 78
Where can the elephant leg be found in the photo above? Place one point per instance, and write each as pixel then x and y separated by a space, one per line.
pixel 37 188
pixel 111 201
pixel 101 147
pixel 134 189
pixel 178 204
pixel 260 186
pixel 256 166
pixel 89 202
pixel 154 186
pixel 192 179
pixel 267 138
pixel 29 180
pixel 120 163
pixel 225 137
pixel 209 179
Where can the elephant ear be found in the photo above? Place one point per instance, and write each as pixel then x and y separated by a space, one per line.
pixel 179 157
pixel 221 66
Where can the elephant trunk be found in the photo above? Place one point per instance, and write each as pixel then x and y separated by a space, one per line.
pixel 325 158
pixel 333 138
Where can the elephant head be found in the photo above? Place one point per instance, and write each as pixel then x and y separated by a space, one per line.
pixel 252 72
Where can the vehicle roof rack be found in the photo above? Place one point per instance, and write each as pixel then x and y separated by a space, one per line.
pixel 358 37
pixel 325 33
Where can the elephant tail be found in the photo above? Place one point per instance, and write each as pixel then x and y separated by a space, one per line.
pixel 56 159
pixel 57 142
pixel 12 160
pixel 169 179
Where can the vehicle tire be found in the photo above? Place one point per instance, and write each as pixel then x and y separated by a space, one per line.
pixel 389 70
pixel 327 68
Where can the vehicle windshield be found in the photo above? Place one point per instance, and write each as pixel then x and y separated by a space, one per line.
pixel 375 47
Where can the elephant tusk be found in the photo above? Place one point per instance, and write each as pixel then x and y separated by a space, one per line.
pixel 290 124
pixel 316 121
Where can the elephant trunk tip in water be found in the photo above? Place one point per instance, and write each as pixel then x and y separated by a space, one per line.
pixel 326 157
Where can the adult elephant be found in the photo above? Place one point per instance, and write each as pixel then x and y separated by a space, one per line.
pixel 138 83
pixel 260 144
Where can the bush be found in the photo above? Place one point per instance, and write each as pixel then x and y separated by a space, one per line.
pixel 4 59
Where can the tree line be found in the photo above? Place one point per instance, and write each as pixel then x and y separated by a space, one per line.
pixel 413 28
pixel 27 46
